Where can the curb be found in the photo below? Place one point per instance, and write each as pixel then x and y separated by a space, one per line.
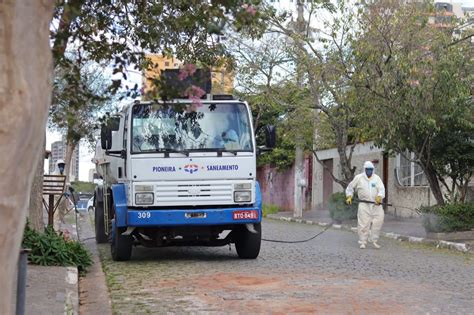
pixel 460 247
pixel 72 291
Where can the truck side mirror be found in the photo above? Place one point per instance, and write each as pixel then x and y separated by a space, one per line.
pixel 270 136
pixel 105 137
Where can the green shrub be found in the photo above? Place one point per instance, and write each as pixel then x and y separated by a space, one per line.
pixel 269 209
pixel 449 218
pixel 52 248
pixel 338 210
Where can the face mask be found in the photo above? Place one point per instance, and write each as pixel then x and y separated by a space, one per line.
pixel 369 172
pixel 61 169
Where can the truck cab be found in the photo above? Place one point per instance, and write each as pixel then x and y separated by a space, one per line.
pixel 179 173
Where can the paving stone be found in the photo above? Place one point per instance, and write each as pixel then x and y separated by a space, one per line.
pixel 329 275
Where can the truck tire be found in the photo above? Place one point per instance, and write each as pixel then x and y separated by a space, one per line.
pixel 100 236
pixel 247 243
pixel 121 246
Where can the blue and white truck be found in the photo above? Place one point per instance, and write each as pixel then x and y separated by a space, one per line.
pixel 180 173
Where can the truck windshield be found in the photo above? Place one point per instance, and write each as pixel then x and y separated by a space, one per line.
pixel 190 127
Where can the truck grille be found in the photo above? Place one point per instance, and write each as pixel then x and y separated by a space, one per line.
pixel 210 193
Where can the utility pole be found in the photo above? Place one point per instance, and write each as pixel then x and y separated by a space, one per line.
pixel 299 182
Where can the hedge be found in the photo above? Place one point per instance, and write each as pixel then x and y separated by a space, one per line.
pixel 339 210
pixel 455 217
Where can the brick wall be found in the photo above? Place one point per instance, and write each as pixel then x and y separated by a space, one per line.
pixel 278 186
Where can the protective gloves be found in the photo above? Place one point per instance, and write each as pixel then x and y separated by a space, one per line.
pixel 349 200
pixel 378 200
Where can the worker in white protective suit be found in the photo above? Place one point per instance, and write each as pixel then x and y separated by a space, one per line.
pixel 370 215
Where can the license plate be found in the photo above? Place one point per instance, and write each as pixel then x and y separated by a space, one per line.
pixel 199 215
pixel 245 215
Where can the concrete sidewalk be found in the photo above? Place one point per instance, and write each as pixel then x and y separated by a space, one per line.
pixel 409 230
pixel 55 290
pixel 51 290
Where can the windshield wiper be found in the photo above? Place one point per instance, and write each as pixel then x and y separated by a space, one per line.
pixel 218 150
pixel 168 151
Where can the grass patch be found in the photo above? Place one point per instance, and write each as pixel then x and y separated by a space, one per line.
pixel 269 209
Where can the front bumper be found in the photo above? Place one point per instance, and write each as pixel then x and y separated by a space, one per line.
pixel 159 217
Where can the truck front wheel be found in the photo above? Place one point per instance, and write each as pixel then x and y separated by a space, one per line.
pixel 247 243
pixel 100 235
pixel 121 247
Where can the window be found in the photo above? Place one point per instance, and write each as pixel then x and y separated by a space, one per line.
pixel 409 173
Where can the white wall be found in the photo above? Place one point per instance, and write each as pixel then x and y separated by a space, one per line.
pixel 399 196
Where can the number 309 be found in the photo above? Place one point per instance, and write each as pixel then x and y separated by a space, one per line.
pixel 144 215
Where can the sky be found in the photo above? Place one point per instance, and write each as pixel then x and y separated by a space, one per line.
pixel 85 154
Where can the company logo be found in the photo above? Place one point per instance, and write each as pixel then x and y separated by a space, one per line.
pixel 166 169
pixel 191 168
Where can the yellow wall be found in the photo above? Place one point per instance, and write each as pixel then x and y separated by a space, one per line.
pixel 159 63
pixel 222 80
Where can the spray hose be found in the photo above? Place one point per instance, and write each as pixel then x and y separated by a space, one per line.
pixel 330 225
pixel 388 204
pixel 300 241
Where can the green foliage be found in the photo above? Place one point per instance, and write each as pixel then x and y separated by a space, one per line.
pixel 81 93
pixel 283 156
pixel 414 91
pixel 269 209
pixel 274 96
pixel 52 248
pixel 339 210
pixel 187 29
pixel 325 138
pixel 83 187
pixel 115 34
pixel 288 109
pixel 452 217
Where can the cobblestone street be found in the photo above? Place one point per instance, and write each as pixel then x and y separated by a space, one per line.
pixel 329 275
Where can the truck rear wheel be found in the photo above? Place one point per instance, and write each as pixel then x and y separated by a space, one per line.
pixel 100 236
pixel 121 247
pixel 247 243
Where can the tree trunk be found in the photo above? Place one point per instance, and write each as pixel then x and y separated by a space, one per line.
pixel 36 208
pixel 25 94
pixel 433 182
pixel 68 160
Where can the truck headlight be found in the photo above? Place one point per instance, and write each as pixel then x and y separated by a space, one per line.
pixel 242 196
pixel 144 198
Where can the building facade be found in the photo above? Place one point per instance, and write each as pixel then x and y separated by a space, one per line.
pixel 58 152
pixel 405 183
pixel 222 80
